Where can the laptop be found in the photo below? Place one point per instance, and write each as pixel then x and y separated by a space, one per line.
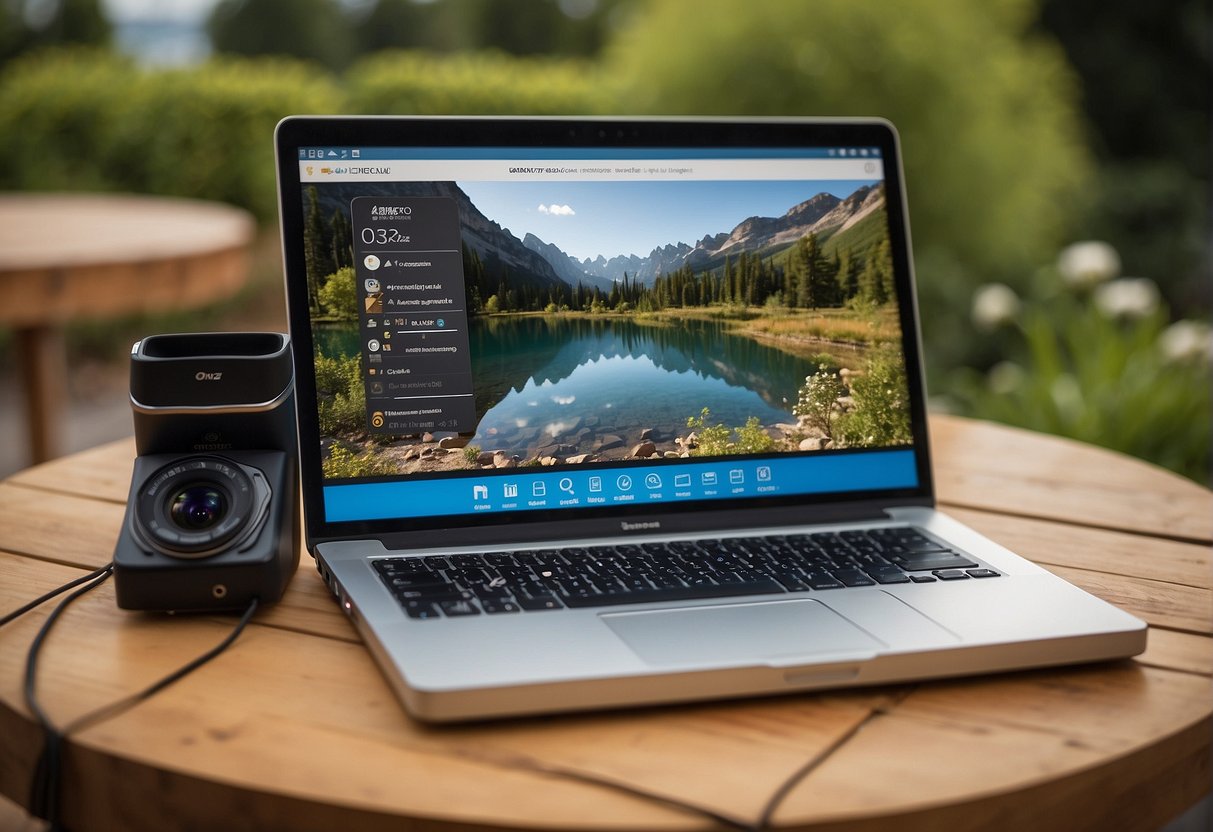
pixel 598 413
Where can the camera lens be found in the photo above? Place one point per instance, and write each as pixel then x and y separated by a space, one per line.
pixel 196 508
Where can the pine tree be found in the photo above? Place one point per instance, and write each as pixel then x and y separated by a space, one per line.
pixel 798 271
pixel 342 240
pixel 848 275
pixel 884 264
pixel 317 256
pixel 817 284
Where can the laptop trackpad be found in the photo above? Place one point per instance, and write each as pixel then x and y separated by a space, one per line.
pixel 777 631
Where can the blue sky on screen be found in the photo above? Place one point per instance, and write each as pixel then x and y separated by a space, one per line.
pixel 586 219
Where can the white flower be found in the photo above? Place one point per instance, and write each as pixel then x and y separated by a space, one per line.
pixel 1006 377
pixel 1087 264
pixel 994 305
pixel 1129 298
pixel 1187 341
pixel 1067 396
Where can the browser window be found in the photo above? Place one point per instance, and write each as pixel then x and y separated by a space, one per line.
pixel 544 329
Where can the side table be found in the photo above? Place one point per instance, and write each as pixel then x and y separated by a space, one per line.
pixel 293 728
pixel 75 256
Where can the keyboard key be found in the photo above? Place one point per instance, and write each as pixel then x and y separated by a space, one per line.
pixel 889 576
pixel 432 592
pixel 540 602
pixel 853 577
pixel 951 575
pixel 673 594
pixel 483 591
pixel 494 606
pixel 824 580
pixel 411 580
pixel 548 579
pixel 932 561
pixel 420 609
pixel 794 583
pixel 395 567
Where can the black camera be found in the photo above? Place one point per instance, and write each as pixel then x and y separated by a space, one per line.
pixel 210 522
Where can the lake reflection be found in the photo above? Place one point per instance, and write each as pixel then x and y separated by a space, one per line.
pixel 563 386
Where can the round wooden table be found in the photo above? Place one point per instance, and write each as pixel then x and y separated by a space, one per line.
pixel 293 728
pixel 93 256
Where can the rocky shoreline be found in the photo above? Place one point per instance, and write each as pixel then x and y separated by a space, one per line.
pixel 580 441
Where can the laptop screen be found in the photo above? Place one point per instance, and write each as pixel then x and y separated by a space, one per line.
pixel 503 333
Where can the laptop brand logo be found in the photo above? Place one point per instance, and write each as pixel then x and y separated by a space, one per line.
pixel 640 527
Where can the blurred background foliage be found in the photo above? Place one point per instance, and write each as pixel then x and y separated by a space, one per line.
pixel 1025 124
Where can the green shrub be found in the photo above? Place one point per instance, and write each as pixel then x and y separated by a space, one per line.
pixel 207 131
pixel 752 438
pixel 879 415
pixel 342 462
pixel 817 403
pixel 717 440
pixel 339 295
pixel 1092 357
pixel 986 108
pixel 473 83
pixel 712 440
pixel 60 112
pixel 882 402
pixel 340 395
pixel 87 120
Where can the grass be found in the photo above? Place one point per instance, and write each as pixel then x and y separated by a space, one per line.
pixel 828 325
pixel 843 333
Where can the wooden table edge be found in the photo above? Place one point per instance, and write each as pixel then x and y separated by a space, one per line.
pixel 1191 741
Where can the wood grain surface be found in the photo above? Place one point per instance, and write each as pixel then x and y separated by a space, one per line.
pixel 294 728
pixel 66 257
pixel 69 256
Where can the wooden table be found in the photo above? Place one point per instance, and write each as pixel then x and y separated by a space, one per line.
pixel 293 728
pixel 77 257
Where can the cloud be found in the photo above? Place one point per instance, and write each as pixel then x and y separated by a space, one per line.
pixel 557 210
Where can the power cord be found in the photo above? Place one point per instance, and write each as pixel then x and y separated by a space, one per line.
pixel 44 791
pixel 37 602
pixel 44 794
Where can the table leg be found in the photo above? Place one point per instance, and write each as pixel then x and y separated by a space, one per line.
pixel 43 361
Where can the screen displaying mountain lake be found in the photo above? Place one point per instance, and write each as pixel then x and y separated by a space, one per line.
pixel 562 386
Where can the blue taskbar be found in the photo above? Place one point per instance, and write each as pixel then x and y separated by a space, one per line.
pixel 522 490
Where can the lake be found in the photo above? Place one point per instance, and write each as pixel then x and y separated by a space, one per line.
pixel 558 386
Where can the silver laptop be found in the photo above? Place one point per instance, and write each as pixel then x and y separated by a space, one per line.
pixel 600 413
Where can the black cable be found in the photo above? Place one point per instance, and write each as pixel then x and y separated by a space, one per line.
pixel 15 614
pixel 44 800
pixel 44 790
pixel 767 816
pixel 114 708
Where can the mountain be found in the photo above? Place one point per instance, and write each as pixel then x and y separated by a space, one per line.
pixel 566 267
pixel 824 215
pixel 540 265
pixel 499 250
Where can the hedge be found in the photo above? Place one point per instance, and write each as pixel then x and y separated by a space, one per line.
pixel 474 83
pixel 90 120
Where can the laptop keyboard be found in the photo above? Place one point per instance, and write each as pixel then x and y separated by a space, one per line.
pixel 603 576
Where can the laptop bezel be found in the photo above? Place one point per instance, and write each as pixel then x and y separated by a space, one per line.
pixel 462 530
